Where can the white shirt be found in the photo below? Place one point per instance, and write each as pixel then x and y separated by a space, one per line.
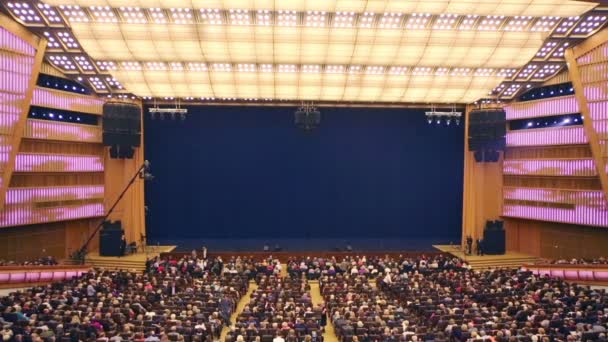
pixel 278 339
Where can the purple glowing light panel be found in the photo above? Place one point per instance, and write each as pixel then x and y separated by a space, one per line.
pixel 577 197
pixel 550 167
pixel 53 194
pixel 547 137
pixel 544 107
pixel 10 42
pixel 58 99
pixel 16 216
pixel 49 130
pixel 588 215
pixel 32 162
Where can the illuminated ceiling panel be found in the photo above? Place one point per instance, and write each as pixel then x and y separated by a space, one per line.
pixel 334 50
pixel 535 8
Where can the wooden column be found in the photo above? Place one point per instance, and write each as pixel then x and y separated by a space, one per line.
pixel 482 190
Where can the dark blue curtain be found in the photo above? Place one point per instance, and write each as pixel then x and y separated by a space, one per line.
pixel 235 172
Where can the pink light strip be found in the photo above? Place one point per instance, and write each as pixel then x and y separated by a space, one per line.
pixel 550 167
pixel 578 197
pixel 544 107
pixel 10 42
pixel 583 215
pixel 17 216
pixel 598 54
pixel 43 274
pixel 547 136
pixel 51 194
pixel 58 99
pixel 48 130
pixel 32 162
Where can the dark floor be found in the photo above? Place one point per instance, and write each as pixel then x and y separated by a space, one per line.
pixel 307 244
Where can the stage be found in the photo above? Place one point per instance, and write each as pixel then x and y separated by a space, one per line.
pixel 135 261
pixel 304 244
pixel 509 259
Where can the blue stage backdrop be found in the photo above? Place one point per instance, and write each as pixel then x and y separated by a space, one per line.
pixel 239 172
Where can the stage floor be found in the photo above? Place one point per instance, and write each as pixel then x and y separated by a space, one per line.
pixel 135 261
pixel 306 244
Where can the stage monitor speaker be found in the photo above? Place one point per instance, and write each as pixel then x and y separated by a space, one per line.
pixel 110 239
pixel 487 133
pixel 494 241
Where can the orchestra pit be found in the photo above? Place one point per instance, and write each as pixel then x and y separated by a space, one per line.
pixel 303 170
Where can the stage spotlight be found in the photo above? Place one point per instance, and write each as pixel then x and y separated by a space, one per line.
pixel 448 121
pixel 457 120
pixel 307 117
pixel 567 120
pixel 530 124
pixel 438 120
pixel 182 117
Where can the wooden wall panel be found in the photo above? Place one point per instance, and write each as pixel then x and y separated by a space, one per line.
pixel 59 147
pixel 29 242
pixel 555 240
pixel 130 210
pixel 482 191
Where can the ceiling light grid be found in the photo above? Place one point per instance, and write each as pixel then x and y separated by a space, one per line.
pixel 512 90
pixel 133 15
pixel 112 82
pixel 438 72
pixel 84 63
pixel 74 13
pixel 546 71
pixel 246 67
pixel 484 72
pixel 315 19
pixel 158 15
pixel 106 65
pixel 263 17
pixel 418 21
pixel 390 20
pixel 561 50
pixel 311 68
pixel 67 40
pixel 445 22
pixel 131 65
pixel 104 14
pixel 367 19
pixel 518 23
pixel 589 24
pixel 25 12
pixel 97 83
pixel 156 66
pixel 344 19
pixel 181 15
pixel 527 71
pixel 198 67
pixel 176 66
pixel 423 71
pixel 287 18
pixel 239 16
pixel 491 22
pixel 566 25
pixel 51 15
pixel 460 72
pixel 468 22
pixel 544 24
pixel 397 70
pixel 52 42
pixel 546 49
pixel 63 62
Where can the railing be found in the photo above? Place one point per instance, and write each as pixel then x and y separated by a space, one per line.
pixel 573 135
pixel 39 162
pixel 550 167
pixel 51 98
pixel 596 273
pixel 62 131
pixel 543 107
pixel 22 275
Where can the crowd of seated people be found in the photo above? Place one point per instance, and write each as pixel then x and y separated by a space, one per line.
pixel 457 304
pixel 43 261
pixel 104 306
pixel 198 266
pixel 576 261
pixel 372 267
pixel 281 307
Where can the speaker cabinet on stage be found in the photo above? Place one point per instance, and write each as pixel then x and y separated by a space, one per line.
pixel 494 241
pixel 121 128
pixel 110 239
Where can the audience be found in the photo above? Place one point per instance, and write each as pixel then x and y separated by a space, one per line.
pixel 43 261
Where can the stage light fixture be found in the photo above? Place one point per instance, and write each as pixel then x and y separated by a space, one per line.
pixel 307 117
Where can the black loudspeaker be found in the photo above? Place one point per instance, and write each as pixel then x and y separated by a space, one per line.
pixel 110 239
pixel 487 133
pixel 307 120
pixel 121 128
pixel 494 241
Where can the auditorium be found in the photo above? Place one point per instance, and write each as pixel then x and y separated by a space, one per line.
pixel 304 170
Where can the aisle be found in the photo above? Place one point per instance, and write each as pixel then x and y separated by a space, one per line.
pixel 239 307
pixel 317 299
